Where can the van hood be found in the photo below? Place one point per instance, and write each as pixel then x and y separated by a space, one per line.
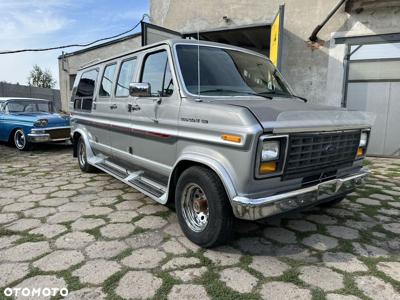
pixel 289 114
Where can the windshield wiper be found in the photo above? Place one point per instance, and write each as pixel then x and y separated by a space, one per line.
pixel 236 92
pixel 285 94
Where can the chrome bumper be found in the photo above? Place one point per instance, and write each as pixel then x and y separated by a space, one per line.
pixel 253 209
pixel 39 136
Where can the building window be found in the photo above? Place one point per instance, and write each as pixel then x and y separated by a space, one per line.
pixel 71 81
pixel 125 77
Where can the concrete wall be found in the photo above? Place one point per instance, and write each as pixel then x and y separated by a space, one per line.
pixel 71 63
pixel 308 70
pixel 17 90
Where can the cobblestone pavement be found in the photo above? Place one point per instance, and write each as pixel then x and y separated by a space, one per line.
pixel 103 240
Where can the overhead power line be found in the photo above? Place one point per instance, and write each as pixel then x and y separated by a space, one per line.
pixel 76 45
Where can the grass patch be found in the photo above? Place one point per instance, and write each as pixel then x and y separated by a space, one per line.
pixel 110 285
pixel 168 283
pixel 318 294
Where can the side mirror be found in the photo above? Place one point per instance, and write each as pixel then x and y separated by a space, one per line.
pixel 140 89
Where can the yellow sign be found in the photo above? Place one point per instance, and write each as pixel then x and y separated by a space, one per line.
pixel 274 47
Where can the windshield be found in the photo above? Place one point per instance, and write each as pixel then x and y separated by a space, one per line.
pixel 225 72
pixel 29 106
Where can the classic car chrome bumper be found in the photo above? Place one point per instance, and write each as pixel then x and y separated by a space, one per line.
pixel 253 209
pixel 52 134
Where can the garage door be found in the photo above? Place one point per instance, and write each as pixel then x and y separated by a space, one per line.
pixel 374 85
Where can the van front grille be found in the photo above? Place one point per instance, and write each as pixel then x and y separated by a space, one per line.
pixel 310 153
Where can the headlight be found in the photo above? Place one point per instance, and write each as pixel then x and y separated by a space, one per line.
pixel 270 151
pixel 41 123
pixel 363 139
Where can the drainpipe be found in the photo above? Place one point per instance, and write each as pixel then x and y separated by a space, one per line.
pixel 314 36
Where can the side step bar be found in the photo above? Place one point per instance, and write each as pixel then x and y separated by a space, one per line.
pixel 137 180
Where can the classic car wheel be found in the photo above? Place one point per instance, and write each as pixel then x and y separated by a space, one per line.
pixel 203 208
pixel 21 141
pixel 82 157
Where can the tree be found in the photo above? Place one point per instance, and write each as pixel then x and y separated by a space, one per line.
pixel 41 78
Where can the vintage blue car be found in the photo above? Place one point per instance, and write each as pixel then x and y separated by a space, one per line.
pixel 24 121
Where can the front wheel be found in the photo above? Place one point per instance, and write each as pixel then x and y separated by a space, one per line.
pixel 203 208
pixel 21 141
pixel 82 157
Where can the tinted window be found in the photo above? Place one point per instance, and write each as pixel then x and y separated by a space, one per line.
pixel 125 77
pixel 156 72
pixel 107 81
pixel 87 84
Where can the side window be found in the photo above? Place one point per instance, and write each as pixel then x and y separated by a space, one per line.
pixel 125 77
pixel 156 71
pixel 107 81
pixel 84 94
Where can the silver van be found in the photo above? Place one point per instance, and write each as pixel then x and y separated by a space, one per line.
pixel 215 130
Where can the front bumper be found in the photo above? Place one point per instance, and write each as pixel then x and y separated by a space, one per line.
pixel 253 209
pixel 56 134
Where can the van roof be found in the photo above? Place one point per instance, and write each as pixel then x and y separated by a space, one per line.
pixel 171 43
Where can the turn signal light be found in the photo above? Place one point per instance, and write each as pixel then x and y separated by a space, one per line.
pixel 268 167
pixel 231 138
pixel 360 152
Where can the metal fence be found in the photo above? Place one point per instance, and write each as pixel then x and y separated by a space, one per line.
pixel 17 90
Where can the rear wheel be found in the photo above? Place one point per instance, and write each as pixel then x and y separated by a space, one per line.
pixel 82 157
pixel 203 208
pixel 21 140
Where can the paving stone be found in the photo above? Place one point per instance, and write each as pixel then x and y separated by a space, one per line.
pixel 345 262
pixel 122 216
pixel 343 232
pixel 24 252
pixel 96 271
pixel 105 249
pixel 339 212
pixel 128 205
pixel 152 209
pixel 278 290
pixel 341 297
pixel 74 206
pixel 320 242
pixel 382 197
pixel 269 266
pixel 301 225
pixel 368 201
pixel 391 269
pixel 151 222
pixel 39 212
pixel 86 294
pixel 104 201
pixel 42 281
pixel 369 251
pixel 23 224
pixel 83 198
pixel 189 274
pixel 144 258
pixel 280 235
pixel 17 207
pixel 181 262
pixel 63 217
pixel 393 193
pixel 389 211
pixel 59 260
pixel 174 247
pixel 8 240
pixel 223 256
pixel 173 229
pixel 376 288
pixel 146 285
pixel 322 219
pixel 146 239
pixel 392 227
pixel 53 202
pixel 117 230
pixel 187 292
pixel 74 240
pixel 87 223
pixel 321 277
pixel 238 279
pixel 7 218
pixel 255 246
pixel 49 230
pixel 63 194
pixel 188 244
pixel 360 225
pixel 11 272
pixel 296 252
pixel 395 204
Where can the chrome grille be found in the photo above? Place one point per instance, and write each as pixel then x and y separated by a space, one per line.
pixel 309 153
pixel 60 133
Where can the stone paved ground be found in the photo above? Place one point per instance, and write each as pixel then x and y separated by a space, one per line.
pixel 104 240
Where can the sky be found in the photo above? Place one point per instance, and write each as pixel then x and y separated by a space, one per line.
pixel 48 23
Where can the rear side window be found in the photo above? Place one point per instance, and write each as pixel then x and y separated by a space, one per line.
pixel 85 91
pixel 156 72
pixel 125 77
pixel 107 81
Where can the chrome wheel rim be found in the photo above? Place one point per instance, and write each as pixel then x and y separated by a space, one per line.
pixel 194 205
pixel 81 154
pixel 20 139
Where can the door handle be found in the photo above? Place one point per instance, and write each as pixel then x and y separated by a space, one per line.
pixel 114 106
pixel 133 107
pixel 136 107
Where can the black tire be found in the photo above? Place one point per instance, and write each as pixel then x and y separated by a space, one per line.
pixel 21 140
pixel 82 157
pixel 333 202
pixel 219 227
